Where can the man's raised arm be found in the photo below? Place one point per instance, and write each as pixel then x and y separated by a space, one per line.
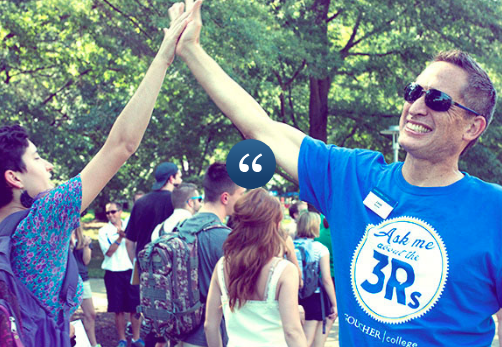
pixel 234 101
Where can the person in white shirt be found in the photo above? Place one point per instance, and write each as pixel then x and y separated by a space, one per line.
pixel 122 296
pixel 186 202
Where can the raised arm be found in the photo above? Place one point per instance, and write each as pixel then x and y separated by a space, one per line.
pixel 235 102
pixel 127 131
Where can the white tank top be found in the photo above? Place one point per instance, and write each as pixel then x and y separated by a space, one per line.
pixel 257 323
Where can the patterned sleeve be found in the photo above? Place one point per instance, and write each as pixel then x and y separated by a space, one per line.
pixel 40 244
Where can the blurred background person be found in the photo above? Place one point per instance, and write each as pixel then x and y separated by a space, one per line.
pixel 307 230
pixel 81 246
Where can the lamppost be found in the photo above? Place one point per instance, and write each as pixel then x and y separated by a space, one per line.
pixel 394 131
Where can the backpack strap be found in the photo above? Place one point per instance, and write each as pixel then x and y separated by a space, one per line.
pixel 275 274
pixel 221 277
pixel 70 284
pixel 10 223
pixel 161 228
pixel 7 228
pixel 191 235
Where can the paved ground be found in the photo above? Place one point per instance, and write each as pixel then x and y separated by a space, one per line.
pixel 100 302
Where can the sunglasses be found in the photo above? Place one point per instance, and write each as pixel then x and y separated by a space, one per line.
pixel 111 212
pixel 196 198
pixel 434 99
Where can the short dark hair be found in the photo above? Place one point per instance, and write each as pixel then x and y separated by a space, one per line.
pixel 182 193
pixel 217 181
pixel 479 94
pixel 295 208
pixel 118 204
pixel 13 144
pixel 140 193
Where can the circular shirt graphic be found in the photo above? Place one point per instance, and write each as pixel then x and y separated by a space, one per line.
pixel 251 164
pixel 399 269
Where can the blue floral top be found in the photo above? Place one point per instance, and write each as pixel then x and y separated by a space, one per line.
pixel 41 242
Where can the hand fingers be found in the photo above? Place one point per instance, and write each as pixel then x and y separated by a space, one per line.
pixel 180 18
pixel 175 24
pixel 176 10
pixel 196 11
pixel 177 28
pixel 189 4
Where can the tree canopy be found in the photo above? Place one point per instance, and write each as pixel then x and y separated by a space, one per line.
pixel 335 70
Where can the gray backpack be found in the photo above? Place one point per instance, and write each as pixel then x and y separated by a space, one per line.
pixel 169 285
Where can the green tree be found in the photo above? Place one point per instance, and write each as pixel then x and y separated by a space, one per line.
pixel 335 70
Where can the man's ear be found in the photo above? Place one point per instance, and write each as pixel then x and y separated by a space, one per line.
pixel 475 128
pixel 12 179
pixel 224 198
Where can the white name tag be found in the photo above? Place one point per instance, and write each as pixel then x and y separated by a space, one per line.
pixel 379 203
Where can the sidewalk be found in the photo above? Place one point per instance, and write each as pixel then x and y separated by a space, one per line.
pixel 100 303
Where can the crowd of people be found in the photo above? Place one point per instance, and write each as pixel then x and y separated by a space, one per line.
pixel 256 244
pixel 415 244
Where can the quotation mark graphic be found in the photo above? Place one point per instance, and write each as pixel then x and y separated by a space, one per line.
pixel 245 168
pixel 251 164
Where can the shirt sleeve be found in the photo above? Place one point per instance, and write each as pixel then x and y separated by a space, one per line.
pixel 322 249
pixel 131 229
pixel 104 240
pixel 326 171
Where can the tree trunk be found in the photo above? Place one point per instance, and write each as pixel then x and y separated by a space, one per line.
pixel 318 107
pixel 320 82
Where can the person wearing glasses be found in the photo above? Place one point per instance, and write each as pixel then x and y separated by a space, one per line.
pixel 417 243
pixel 186 202
pixel 121 294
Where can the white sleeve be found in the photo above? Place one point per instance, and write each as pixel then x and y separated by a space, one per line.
pixel 156 233
pixel 104 242
pixel 321 249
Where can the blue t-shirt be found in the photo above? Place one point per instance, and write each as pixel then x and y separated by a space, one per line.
pixel 430 273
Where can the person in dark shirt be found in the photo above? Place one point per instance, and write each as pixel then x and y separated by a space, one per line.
pixel 151 209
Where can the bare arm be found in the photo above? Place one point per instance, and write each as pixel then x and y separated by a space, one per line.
pixel 86 257
pixel 291 255
pixel 115 245
pixel 288 307
pixel 327 283
pixel 213 313
pixel 127 131
pixel 235 102
pixel 499 326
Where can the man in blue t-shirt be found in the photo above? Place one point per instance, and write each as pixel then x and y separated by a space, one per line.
pixel 417 244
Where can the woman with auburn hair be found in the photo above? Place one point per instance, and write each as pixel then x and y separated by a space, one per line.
pixel 255 290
